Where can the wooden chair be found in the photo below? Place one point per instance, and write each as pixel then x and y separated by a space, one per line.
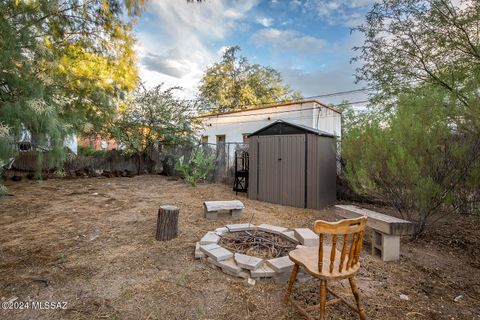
pixel 326 262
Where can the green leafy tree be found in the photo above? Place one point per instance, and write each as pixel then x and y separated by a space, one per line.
pixel 154 116
pixel 416 160
pixel 418 147
pixel 63 66
pixel 234 83
pixel 414 42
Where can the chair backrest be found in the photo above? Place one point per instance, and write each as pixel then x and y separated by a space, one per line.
pixel 352 231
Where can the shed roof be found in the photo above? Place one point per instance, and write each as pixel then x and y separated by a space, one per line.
pixel 281 127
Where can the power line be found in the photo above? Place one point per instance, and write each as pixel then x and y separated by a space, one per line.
pixel 340 93
pixel 226 115
pixel 324 95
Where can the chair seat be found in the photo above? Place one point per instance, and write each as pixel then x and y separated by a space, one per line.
pixel 308 258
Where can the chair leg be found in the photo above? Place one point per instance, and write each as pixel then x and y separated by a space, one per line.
pixel 353 285
pixel 293 277
pixel 323 298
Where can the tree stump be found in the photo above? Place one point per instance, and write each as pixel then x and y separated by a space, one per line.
pixel 167 223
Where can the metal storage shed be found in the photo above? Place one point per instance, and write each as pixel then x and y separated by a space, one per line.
pixel 292 165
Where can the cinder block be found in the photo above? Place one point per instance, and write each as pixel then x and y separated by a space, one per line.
pixel 221 231
pixel 211 262
pixel 219 254
pixel 272 229
pixel 247 262
pixel 306 237
pixel 290 235
pixel 282 264
pixel 228 266
pixel 207 247
pixel 236 213
pixel 263 271
pixel 198 253
pixel 209 237
pixel 386 246
pixel 240 227
pixel 242 274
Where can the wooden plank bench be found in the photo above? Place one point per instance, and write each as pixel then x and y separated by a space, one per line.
pixel 211 208
pixel 386 230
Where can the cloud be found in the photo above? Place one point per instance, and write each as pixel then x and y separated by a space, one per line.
pixel 287 39
pixel 295 3
pixel 266 22
pixel 350 13
pixel 167 64
pixel 175 39
pixel 333 77
pixel 317 82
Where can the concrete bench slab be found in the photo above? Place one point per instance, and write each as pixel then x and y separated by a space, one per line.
pixel 378 221
pixel 386 230
pixel 212 208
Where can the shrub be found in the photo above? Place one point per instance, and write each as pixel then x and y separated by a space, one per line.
pixel 89 151
pixel 3 190
pixel 419 159
pixel 196 168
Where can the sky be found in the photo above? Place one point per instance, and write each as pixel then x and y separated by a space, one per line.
pixel 309 41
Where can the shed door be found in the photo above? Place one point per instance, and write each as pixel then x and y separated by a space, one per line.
pixel 292 170
pixel 281 169
pixel 269 169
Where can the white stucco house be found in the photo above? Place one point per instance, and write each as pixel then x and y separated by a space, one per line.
pixel 235 126
pixel 70 141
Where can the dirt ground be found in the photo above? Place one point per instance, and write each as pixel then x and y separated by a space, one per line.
pixel 90 242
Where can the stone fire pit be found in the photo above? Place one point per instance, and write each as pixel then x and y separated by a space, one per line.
pixel 210 250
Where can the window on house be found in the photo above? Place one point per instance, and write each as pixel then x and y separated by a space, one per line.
pixel 204 139
pixel 220 139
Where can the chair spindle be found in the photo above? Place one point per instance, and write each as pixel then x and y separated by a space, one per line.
pixel 333 252
pixel 350 253
pixel 344 252
pixel 320 253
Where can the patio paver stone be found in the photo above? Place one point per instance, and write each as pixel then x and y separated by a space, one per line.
pixel 248 262
pixel 306 236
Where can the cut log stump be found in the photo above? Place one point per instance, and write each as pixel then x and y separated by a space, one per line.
pixel 167 223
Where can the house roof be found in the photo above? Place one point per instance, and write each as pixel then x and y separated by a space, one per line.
pixel 267 106
pixel 280 127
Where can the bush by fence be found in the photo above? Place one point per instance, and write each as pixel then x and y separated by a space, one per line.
pixel 117 163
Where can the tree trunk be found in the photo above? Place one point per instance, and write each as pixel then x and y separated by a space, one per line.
pixel 167 223
pixel 137 155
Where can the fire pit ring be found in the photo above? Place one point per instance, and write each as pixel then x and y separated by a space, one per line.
pixel 220 248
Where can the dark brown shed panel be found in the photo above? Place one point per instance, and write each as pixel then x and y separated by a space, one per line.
pixel 322 171
pixel 292 165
